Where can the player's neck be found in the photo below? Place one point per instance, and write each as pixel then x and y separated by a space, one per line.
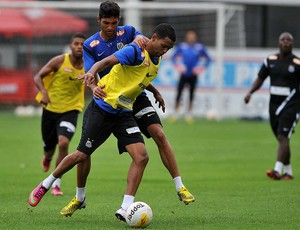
pixel 104 36
pixel 77 63
pixel 285 55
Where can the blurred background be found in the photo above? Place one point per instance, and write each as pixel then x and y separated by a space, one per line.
pixel 238 36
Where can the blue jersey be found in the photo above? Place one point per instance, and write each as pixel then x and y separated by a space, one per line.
pixel 190 55
pixel 95 48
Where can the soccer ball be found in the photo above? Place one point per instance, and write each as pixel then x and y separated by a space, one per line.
pixel 138 215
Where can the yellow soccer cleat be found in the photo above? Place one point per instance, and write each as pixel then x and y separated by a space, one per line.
pixel 72 207
pixel 185 196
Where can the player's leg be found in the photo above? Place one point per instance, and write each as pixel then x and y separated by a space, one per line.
pixel 89 142
pixel 92 123
pixel 180 87
pixel 192 85
pixel 150 125
pixel 65 165
pixel 168 159
pixel 49 136
pixel 276 172
pixel 130 140
pixel 65 129
pixel 140 159
pixel 79 201
pixel 283 127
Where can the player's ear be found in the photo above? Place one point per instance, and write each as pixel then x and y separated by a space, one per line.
pixel 154 37
pixel 98 20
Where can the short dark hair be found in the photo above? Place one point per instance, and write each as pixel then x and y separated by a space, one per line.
pixel 109 9
pixel 78 35
pixel 164 30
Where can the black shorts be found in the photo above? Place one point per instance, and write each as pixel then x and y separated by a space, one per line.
pixel 285 122
pixel 144 114
pixel 98 125
pixel 55 124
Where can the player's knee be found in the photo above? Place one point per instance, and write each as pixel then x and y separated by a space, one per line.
pixel 78 157
pixel 158 135
pixel 142 159
pixel 63 142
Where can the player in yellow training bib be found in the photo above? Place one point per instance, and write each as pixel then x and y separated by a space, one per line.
pixel 62 97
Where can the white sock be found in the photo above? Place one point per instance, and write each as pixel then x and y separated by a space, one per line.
pixel 80 194
pixel 178 183
pixel 56 183
pixel 278 166
pixel 48 181
pixel 127 200
pixel 288 169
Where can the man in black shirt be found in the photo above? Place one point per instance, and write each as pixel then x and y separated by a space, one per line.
pixel 284 107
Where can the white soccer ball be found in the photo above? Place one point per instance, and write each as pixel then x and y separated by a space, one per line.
pixel 138 215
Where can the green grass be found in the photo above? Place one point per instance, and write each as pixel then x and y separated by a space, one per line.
pixel 222 163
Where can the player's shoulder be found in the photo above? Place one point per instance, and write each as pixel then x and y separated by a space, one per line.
pixel 296 60
pixel 92 41
pixel 183 44
pixel 125 30
pixel 273 57
pixel 58 60
pixel 131 47
pixel 125 27
pixel 198 46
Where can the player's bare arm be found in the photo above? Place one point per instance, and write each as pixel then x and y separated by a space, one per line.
pixel 158 97
pixel 52 66
pixel 256 85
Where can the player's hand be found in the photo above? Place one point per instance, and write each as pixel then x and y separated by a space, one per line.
pixel 45 99
pixel 159 99
pixel 98 91
pixel 141 41
pixel 247 98
pixel 87 78
pixel 180 68
pixel 198 70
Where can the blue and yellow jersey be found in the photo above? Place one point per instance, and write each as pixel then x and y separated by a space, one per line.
pixel 127 79
pixel 66 93
pixel 96 49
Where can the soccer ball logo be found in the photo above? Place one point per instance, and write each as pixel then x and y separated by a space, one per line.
pixel 138 215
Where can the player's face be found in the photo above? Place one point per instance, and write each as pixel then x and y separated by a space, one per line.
pixel 191 37
pixel 286 43
pixel 160 46
pixel 108 27
pixel 76 47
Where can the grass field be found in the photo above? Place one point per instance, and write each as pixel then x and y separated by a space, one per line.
pixel 222 163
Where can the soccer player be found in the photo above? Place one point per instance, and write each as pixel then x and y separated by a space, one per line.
pixel 62 97
pixel 110 111
pixel 188 60
pixel 100 45
pixel 283 69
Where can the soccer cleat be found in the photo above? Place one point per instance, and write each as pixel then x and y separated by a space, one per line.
pixel 46 164
pixel 185 196
pixel 287 177
pixel 172 119
pixel 72 207
pixel 273 174
pixel 120 214
pixel 56 191
pixel 189 119
pixel 36 195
